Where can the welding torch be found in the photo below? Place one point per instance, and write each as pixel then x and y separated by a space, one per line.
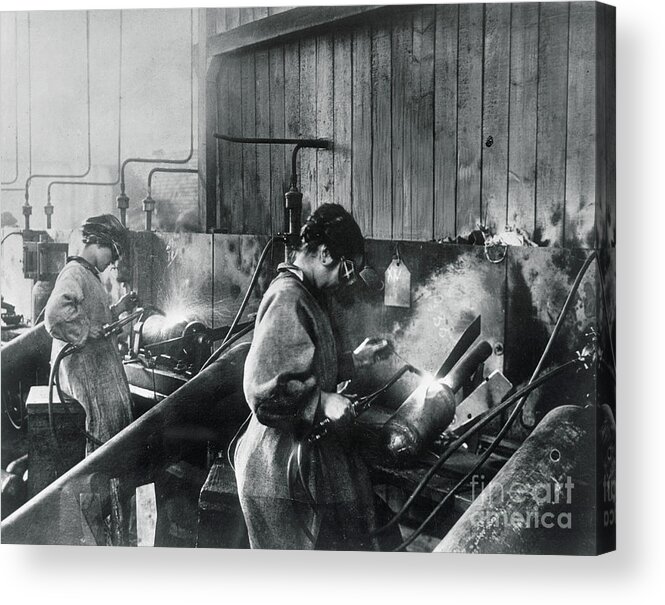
pixel 117 326
pixel 360 404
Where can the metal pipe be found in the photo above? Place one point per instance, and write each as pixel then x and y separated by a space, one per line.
pixel 122 199
pixel 149 202
pixel 48 209
pixel 27 210
pixel 15 103
pixel 178 170
pixel 117 179
pixel 299 144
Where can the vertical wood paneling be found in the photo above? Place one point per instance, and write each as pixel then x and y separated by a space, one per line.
pixel 469 116
pixel 263 164
pixel 343 103
pixel 292 97
pixel 402 45
pixel 581 147
pixel 235 173
pixel 610 124
pixel 381 131
pixel 222 154
pixel 523 119
pixel 362 129
pixel 232 18
pixel 220 20
pixel 600 206
pixel 260 12
pixel 246 15
pixel 445 120
pixel 496 86
pixel 252 211
pixel 551 142
pixel 324 118
pixel 605 127
pixel 422 126
pixel 308 123
pixel 409 102
pixel 279 169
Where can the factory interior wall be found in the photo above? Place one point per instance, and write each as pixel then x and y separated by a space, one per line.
pixel 204 276
pixel 441 117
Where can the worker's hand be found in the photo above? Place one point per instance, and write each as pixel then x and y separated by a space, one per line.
pixel 96 332
pixel 370 351
pixel 126 303
pixel 337 407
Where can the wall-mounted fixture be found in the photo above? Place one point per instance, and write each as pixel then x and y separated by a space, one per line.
pixel 149 202
pixel 293 197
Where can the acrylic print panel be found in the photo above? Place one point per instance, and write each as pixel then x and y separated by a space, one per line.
pixel 288 385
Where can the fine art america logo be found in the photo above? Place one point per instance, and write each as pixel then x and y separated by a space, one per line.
pixel 524 505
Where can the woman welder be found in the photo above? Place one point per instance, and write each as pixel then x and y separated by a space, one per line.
pixel 291 373
pixel 75 313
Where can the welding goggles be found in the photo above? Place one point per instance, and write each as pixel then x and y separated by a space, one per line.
pixel 116 250
pixel 347 272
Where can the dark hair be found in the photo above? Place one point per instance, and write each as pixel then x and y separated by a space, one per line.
pixel 332 225
pixel 105 230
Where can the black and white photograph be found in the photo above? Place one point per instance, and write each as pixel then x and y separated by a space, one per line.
pixel 311 278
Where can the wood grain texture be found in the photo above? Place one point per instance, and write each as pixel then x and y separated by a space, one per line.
pixel 325 112
pixel 610 124
pixel 221 152
pixel 219 16
pixel 381 132
pixel 232 18
pixel 469 116
pixel 246 15
pixel 308 184
pixel 279 163
pixel 343 105
pixel 600 206
pixel 422 125
pixel 402 47
pixel 292 97
pixel 496 92
pixel 445 120
pixel 581 128
pixel 234 176
pixel 552 106
pixel 263 163
pixel 362 129
pixel 605 74
pixel 251 211
pixel 523 117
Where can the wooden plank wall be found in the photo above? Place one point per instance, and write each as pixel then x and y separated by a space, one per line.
pixel 442 117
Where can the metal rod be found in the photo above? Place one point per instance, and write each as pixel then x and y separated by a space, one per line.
pixel 299 144
pixel 148 202
pixel 87 171
pixel 117 179
pixel 122 199
pixel 177 170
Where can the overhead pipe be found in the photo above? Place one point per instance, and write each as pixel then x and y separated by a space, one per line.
pixel 48 209
pixel 117 178
pixel 15 103
pixel 293 197
pixel 27 211
pixel 149 202
pixel 123 199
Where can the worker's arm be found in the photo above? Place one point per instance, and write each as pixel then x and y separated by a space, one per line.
pixel 279 384
pixel 64 316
